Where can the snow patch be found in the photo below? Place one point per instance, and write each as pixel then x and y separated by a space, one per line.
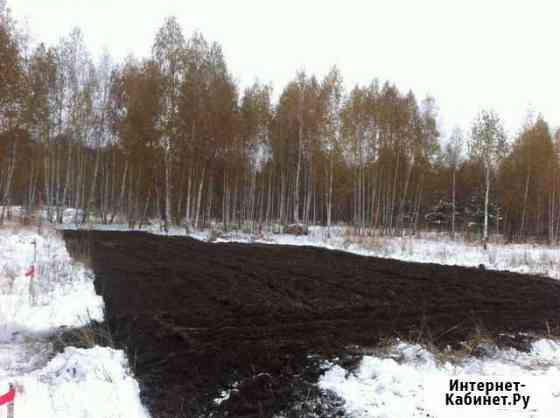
pixel 61 293
pixel 83 383
pixel 80 383
pixel 392 385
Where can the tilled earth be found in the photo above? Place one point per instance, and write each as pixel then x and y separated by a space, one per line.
pixel 198 318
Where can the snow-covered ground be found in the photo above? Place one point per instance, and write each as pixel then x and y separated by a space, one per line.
pixel 94 382
pixel 61 294
pixel 395 382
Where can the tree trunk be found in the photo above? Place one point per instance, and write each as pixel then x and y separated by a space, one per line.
pixel 486 199
pixel 167 164
pixel 199 198
pixel 525 198
pixel 453 204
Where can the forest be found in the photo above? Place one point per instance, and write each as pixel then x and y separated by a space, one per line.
pixel 173 137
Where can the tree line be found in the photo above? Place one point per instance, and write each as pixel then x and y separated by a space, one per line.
pixel 172 137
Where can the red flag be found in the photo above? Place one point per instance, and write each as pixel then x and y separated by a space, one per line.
pixel 8 397
pixel 31 271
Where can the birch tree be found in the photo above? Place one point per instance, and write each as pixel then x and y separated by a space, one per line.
pixel 453 155
pixel 169 54
pixel 12 100
pixel 487 144
pixel 333 97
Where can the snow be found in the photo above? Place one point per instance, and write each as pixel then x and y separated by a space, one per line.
pixel 225 394
pixel 93 382
pixel 61 295
pixel 392 384
pixel 423 248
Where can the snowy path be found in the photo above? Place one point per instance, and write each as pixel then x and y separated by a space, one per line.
pixel 94 382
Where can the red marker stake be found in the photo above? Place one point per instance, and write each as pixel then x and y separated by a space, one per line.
pixel 8 399
pixel 30 272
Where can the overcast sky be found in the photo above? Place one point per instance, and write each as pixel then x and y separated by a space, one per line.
pixel 470 54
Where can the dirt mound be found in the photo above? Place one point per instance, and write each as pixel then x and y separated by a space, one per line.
pixel 198 317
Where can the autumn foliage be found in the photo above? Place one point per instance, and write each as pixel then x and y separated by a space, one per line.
pixel 173 137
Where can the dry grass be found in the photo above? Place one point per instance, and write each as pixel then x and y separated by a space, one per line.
pixel 89 336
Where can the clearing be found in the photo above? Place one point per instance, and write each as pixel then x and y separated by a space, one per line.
pixel 258 321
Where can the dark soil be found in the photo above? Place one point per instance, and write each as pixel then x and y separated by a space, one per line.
pixel 198 317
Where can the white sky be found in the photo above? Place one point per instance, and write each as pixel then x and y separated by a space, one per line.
pixel 469 54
